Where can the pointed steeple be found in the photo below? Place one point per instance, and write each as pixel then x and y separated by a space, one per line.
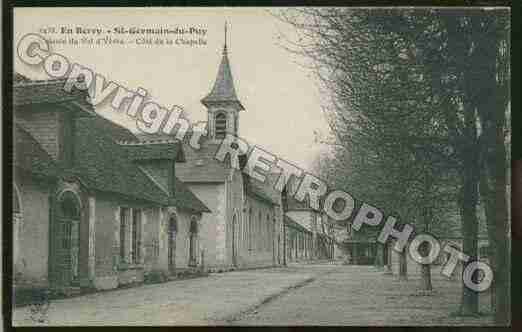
pixel 223 91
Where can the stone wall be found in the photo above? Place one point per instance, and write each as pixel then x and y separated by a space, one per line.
pixel 31 266
pixel 212 230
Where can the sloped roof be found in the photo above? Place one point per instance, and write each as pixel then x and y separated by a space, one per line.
pixel 104 165
pixel 29 154
pixel 154 151
pixel 294 224
pixel 185 198
pixel 264 190
pixel 201 165
pixel 100 162
pixel 30 92
pixel 223 89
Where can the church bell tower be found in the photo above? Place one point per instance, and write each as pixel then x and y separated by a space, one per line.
pixel 223 105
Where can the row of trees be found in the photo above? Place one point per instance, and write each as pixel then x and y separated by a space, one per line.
pixel 418 103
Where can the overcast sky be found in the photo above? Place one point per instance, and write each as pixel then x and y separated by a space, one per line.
pixel 280 97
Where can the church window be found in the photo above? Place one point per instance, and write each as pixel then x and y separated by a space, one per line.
pixel 221 125
pixel 259 231
pixel 250 229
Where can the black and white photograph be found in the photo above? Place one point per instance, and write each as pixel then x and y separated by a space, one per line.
pixel 261 166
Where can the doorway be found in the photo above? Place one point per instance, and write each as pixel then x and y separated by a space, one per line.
pixel 66 242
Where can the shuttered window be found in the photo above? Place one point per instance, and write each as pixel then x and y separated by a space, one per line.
pixel 221 125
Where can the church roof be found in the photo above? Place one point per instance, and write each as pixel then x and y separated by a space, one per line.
pixel 223 90
pixel 154 150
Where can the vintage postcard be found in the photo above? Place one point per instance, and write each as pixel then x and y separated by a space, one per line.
pixel 261 166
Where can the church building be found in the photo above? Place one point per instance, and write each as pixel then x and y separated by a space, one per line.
pixel 245 225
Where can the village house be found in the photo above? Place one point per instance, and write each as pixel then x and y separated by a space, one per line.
pixel 94 208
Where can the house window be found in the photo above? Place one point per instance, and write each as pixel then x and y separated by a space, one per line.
pixel 130 235
pixel 136 232
pixel 124 217
pixel 221 125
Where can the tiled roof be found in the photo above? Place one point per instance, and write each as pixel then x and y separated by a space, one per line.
pixel 30 156
pixel 29 92
pixel 294 224
pixel 104 165
pixel 154 151
pixel 100 162
pixel 223 89
pixel 201 166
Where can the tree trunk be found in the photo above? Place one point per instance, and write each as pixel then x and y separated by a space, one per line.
pixel 355 254
pixel 403 265
pixel 388 258
pixel 503 270
pixel 494 92
pixel 469 303
pixel 487 196
pixel 426 278
pixel 379 259
pixel 425 284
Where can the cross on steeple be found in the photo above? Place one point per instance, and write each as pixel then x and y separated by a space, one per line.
pixel 225 47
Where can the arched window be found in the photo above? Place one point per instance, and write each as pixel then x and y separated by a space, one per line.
pixel 259 233
pixel 193 231
pixel 221 125
pixel 173 229
pixel 193 226
pixel 268 235
pixel 250 229
pixel 69 206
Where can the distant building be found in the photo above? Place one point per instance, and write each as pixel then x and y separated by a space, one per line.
pixel 309 232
